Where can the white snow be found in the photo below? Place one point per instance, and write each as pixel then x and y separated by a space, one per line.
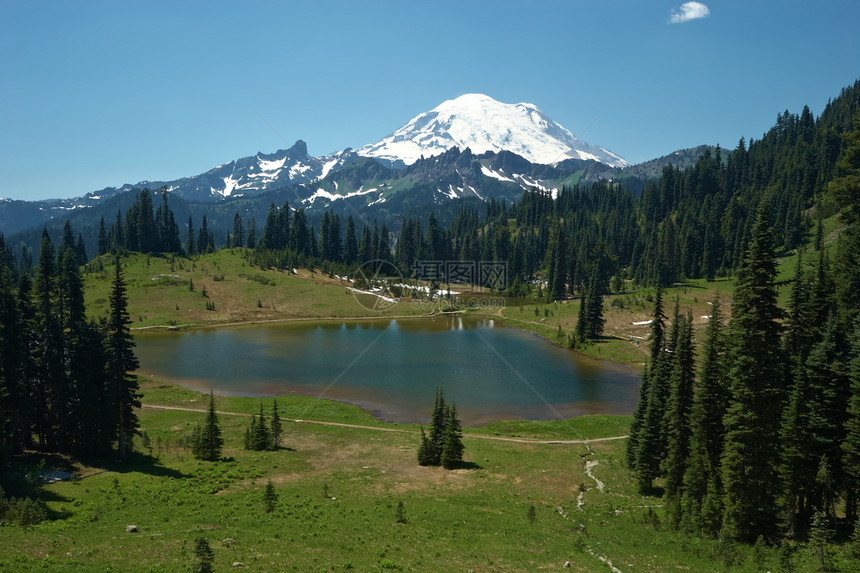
pixel 299 169
pixel 490 173
pixel 323 194
pixel 271 165
pixel 642 323
pixel 264 175
pixel 483 124
pixel 378 201
pixel 328 166
pixel 527 183
pixel 385 298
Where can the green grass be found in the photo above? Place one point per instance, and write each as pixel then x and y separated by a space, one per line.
pixel 159 292
pixel 472 518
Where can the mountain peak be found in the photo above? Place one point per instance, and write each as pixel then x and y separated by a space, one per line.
pixel 480 123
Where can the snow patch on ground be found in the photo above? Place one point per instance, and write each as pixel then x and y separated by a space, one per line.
pixel 271 165
pixel 495 175
pixel 323 194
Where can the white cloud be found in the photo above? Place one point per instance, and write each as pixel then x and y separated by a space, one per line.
pixel 688 11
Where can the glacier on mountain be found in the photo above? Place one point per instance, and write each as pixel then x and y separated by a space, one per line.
pixel 482 124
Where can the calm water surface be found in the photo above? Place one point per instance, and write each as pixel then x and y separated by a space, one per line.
pixel 392 367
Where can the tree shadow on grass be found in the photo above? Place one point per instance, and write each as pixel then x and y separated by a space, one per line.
pixel 468 466
pixel 143 463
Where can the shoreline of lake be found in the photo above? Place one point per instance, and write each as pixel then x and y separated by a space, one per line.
pixel 558 384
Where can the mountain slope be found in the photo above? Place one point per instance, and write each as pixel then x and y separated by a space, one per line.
pixel 482 124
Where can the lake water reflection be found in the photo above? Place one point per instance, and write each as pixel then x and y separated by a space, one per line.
pixel 393 366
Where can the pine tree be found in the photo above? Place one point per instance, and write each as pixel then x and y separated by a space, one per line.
pixel 102 247
pixel 425 450
pixel 706 427
pixel 452 446
pixel 270 497
pixel 639 415
pixel 204 556
pixel 651 435
pixel 845 188
pixel 851 443
pixel 122 392
pixel 751 451
pixel 594 305
pixel 50 384
pixel 676 419
pixel 276 426
pixel 350 251
pixel 190 244
pixel 438 420
pixel 209 441
pixel 238 231
pixel 261 438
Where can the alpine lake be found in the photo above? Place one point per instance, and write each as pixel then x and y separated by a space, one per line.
pixel 392 367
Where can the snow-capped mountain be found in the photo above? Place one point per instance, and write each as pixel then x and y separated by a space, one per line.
pixel 483 124
pixel 245 176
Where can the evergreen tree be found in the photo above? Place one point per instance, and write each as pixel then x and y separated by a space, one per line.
pixel 190 244
pixel 276 426
pixel 209 442
pixel 702 478
pixel 122 386
pixel 50 384
pixel 751 451
pixel 557 274
pixel 438 420
pixel 845 188
pixel 452 446
pixel 270 497
pixel 350 252
pixel 204 556
pixel 651 434
pixel 238 231
pixel 641 411
pixel 851 443
pixel 261 438
pixel 676 419
pixel 425 450
pixel 252 233
pixel 594 305
pixel 102 247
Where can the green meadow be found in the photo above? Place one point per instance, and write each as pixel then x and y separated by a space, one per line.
pixel 339 476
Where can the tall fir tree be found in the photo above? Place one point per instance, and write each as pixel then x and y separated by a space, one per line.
pixel 851 443
pixel 438 419
pixel 702 484
pixel 751 451
pixel 676 420
pixel 276 426
pixel 208 441
pixel 122 385
pixel 657 330
pixel 452 445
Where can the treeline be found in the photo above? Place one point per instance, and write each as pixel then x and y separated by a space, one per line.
pixel 64 379
pixel 764 439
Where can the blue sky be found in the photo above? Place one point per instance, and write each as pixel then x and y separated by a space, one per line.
pixel 98 94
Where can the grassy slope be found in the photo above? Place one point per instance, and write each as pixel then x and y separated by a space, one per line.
pixel 159 292
pixel 472 518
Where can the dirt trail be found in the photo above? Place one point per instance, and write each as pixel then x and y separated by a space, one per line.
pixel 401 430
